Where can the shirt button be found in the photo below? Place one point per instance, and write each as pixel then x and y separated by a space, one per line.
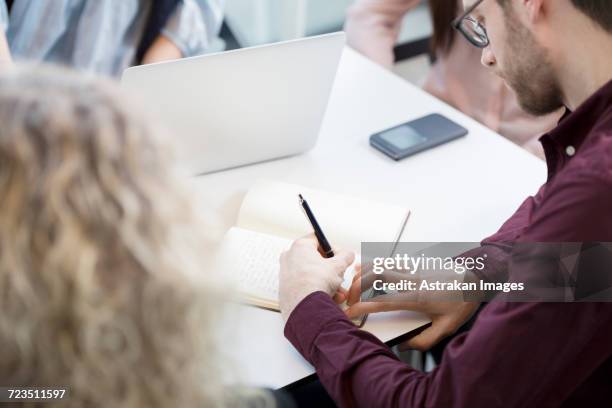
pixel 570 151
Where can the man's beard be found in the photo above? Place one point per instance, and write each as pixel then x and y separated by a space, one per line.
pixel 529 71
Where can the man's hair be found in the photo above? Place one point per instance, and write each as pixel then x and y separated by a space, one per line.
pixel 598 10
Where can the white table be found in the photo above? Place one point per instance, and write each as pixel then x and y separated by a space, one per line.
pixel 459 192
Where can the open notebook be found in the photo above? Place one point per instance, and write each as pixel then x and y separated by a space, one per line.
pixel 271 218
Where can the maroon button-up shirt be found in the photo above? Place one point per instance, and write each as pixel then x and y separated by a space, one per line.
pixel 516 354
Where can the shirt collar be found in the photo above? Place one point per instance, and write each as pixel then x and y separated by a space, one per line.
pixel 574 126
pixel 564 141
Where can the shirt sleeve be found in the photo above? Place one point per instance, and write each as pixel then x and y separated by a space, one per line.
pixel 572 199
pixel 577 204
pixel 195 25
pixel 498 247
pixel 496 364
pixel 372 27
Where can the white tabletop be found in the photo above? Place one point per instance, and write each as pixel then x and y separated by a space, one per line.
pixel 461 191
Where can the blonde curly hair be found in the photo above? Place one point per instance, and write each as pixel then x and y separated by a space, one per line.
pixel 103 283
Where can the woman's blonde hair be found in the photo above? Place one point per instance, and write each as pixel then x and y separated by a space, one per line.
pixel 103 284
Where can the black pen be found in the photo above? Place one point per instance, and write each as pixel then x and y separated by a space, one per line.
pixel 323 243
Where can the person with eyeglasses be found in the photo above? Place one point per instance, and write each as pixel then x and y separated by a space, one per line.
pixel 554 54
pixel 456 76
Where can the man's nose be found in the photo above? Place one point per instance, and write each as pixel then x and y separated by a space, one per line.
pixel 487 59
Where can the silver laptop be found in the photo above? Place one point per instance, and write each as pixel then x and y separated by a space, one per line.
pixel 239 107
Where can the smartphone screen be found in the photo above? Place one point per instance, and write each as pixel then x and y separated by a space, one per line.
pixel 403 137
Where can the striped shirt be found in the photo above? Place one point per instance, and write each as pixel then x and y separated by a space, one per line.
pixel 102 36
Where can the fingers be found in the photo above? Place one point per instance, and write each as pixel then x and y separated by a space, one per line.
pixel 386 303
pixel 354 293
pixel 404 300
pixel 343 259
pixel 361 283
pixel 340 296
pixel 309 240
pixel 361 308
pixel 427 338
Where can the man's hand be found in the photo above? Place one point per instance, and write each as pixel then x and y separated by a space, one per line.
pixel 303 270
pixel 446 316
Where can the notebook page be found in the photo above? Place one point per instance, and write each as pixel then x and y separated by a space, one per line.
pixel 250 260
pixel 273 208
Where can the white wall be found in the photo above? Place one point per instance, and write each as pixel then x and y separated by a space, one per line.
pixel 263 21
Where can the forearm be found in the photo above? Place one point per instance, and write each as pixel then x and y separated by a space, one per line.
pixel 5 54
pixel 355 367
pixel 372 27
pixel 162 49
pixel 477 368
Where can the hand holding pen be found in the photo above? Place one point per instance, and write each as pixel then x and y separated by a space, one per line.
pixel 327 252
pixel 324 246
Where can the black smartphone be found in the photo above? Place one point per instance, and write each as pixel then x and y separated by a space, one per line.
pixel 416 136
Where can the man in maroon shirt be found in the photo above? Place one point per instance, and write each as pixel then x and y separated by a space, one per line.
pixel 553 53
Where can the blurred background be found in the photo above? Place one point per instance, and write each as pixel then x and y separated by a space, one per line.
pixel 255 22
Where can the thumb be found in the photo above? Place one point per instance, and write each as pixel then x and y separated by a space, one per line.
pixel 343 259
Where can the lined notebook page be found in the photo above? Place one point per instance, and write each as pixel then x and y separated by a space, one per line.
pixel 273 208
pixel 251 261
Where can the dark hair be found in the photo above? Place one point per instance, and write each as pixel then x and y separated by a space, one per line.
pixel 598 10
pixel 443 12
pixel 161 11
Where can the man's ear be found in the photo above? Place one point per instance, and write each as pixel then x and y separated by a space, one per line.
pixel 535 10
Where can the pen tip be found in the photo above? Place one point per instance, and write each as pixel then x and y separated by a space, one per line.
pixel 301 198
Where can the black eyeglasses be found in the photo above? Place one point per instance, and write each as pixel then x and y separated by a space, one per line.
pixel 471 29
